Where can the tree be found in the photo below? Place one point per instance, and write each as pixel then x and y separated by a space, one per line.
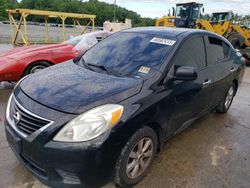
pixel 6 4
pixel 102 10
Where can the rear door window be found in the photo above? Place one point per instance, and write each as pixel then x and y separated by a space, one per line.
pixel 217 50
pixel 191 53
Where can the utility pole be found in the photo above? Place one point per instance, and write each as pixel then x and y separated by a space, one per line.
pixel 114 10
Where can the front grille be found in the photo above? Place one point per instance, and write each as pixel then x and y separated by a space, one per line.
pixel 25 121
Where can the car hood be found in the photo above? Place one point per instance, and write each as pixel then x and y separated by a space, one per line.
pixel 20 52
pixel 72 89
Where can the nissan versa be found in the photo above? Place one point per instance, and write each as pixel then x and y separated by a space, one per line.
pixel 106 114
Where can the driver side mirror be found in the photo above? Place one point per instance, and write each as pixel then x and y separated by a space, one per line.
pixel 185 73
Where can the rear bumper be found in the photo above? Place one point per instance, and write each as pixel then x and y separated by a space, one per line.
pixel 64 165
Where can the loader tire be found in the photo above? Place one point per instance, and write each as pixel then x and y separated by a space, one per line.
pixel 236 39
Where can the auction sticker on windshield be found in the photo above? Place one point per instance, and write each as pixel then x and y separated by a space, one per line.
pixel 163 41
pixel 144 70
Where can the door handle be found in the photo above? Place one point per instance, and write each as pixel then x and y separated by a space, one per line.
pixel 206 83
pixel 232 69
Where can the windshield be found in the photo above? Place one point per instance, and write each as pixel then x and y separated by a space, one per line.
pixel 196 13
pixel 131 54
pixel 217 17
pixel 182 11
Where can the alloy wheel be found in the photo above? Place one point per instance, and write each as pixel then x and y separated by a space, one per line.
pixel 36 68
pixel 139 158
pixel 229 97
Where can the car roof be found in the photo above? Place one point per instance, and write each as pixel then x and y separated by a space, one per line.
pixel 165 31
pixel 173 32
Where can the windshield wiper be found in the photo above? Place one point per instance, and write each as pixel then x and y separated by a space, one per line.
pixel 108 70
pixel 78 58
pixel 86 65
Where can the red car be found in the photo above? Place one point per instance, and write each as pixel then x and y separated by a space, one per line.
pixel 18 62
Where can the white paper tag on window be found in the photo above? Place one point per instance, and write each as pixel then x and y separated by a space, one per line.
pixel 163 41
pixel 144 70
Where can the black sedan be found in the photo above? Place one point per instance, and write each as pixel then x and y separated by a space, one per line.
pixel 105 115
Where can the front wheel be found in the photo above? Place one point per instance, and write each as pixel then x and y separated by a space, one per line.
pixel 224 106
pixel 136 157
pixel 35 67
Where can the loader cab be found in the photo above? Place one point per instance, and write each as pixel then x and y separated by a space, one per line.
pixel 219 17
pixel 187 14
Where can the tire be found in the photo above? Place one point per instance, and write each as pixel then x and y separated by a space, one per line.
pixel 135 160
pixel 236 39
pixel 224 106
pixel 35 67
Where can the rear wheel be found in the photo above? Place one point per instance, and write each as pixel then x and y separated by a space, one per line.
pixel 224 106
pixel 136 157
pixel 37 66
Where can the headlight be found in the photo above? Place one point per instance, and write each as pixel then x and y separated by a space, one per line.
pixel 90 124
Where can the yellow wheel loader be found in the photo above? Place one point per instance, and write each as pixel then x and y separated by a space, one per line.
pixel 188 15
pixel 167 21
pixel 221 23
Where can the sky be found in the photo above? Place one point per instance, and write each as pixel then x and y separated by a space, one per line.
pixel 159 8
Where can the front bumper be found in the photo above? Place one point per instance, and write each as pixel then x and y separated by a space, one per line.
pixel 65 164
pixel 10 74
pixel 58 164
